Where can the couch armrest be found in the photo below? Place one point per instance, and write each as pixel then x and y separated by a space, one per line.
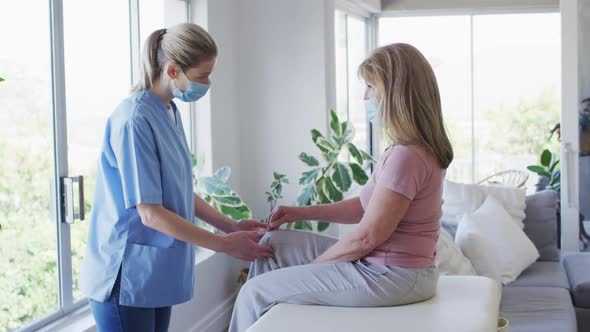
pixel 577 268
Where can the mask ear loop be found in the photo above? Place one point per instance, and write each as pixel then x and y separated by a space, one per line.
pixel 174 79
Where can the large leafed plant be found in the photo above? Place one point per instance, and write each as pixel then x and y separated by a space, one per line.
pixel 343 163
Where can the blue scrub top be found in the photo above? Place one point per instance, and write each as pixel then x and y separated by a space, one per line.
pixel 144 159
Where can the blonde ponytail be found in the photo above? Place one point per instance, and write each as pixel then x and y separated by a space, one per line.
pixel 185 44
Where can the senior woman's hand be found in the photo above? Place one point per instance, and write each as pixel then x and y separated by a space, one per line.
pixel 287 214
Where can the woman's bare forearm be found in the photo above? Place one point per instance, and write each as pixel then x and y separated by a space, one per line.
pixel 169 223
pixel 349 211
pixel 210 215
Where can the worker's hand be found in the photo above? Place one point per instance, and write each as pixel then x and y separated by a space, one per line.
pixel 286 214
pixel 248 225
pixel 244 245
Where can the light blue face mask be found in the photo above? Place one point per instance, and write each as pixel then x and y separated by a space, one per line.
pixel 372 107
pixel 194 90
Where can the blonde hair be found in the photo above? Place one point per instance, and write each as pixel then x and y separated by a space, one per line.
pixel 185 44
pixel 410 101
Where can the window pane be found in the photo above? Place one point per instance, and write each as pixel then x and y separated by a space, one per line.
pixel 517 89
pixel 444 41
pixel 28 254
pixel 341 65
pixel 357 51
pixel 97 65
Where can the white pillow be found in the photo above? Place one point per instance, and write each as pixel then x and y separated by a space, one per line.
pixel 494 244
pixel 459 198
pixel 449 259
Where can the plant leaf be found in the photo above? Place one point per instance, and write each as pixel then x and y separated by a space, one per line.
pixel 240 212
pixel 556 178
pixel 342 177
pixel 309 176
pixel 322 196
pixel 303 225
pixel 540 171
pixel 1 79
pixel 347 132
pixel 232 201
pixel 335 125
pixel 324 145
pixel 194 159
pixel 358 173
pixel 306 195
pixel 222 174
pixel 322 226
pixel 213 186
pixel 315 134
pixel 552 168
pixel 546 158
pixel 355 153
pixel 367 156
pixel 334 195
pixel 308 160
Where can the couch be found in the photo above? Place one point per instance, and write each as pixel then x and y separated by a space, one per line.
pixel 539 299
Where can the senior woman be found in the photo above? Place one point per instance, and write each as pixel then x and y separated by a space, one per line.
pixel 389 258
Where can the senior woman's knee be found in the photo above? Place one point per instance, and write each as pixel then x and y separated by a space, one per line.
pixel 274 237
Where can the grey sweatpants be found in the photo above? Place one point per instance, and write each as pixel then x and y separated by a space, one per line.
pixel 289 277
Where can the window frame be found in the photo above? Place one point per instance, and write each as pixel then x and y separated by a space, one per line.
pixel 371 34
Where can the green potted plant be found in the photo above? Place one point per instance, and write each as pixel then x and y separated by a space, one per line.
pixel 343 164
pixel 548 171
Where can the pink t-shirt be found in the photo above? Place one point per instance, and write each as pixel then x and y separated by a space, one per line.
pixel 416 174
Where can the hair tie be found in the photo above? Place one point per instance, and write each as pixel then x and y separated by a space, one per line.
pixel 161 35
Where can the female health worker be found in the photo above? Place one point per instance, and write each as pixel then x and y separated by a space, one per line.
pixel 140 256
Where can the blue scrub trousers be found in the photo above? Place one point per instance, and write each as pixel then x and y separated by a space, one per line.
pixel 110 316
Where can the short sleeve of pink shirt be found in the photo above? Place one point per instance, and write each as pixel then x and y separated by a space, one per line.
pixel 414 173
pixel 404 171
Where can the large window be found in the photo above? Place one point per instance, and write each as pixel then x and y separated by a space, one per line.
pixel 351 50
pixel 499 79
pixel 60 86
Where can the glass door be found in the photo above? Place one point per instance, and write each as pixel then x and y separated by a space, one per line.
pixel 97 78
pixel 29 287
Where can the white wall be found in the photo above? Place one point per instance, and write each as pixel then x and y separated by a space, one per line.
pixel 273 83
pixel 281 90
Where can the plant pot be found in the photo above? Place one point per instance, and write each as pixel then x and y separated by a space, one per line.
pixel 503 325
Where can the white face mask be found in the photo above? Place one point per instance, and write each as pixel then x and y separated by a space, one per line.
pixel 372 107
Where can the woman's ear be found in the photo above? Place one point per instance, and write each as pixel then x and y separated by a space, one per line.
pixel 172 70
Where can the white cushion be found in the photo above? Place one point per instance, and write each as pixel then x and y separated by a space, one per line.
pixel 460 198
pixel 462 304
pixel 494 244
pixel 449 258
